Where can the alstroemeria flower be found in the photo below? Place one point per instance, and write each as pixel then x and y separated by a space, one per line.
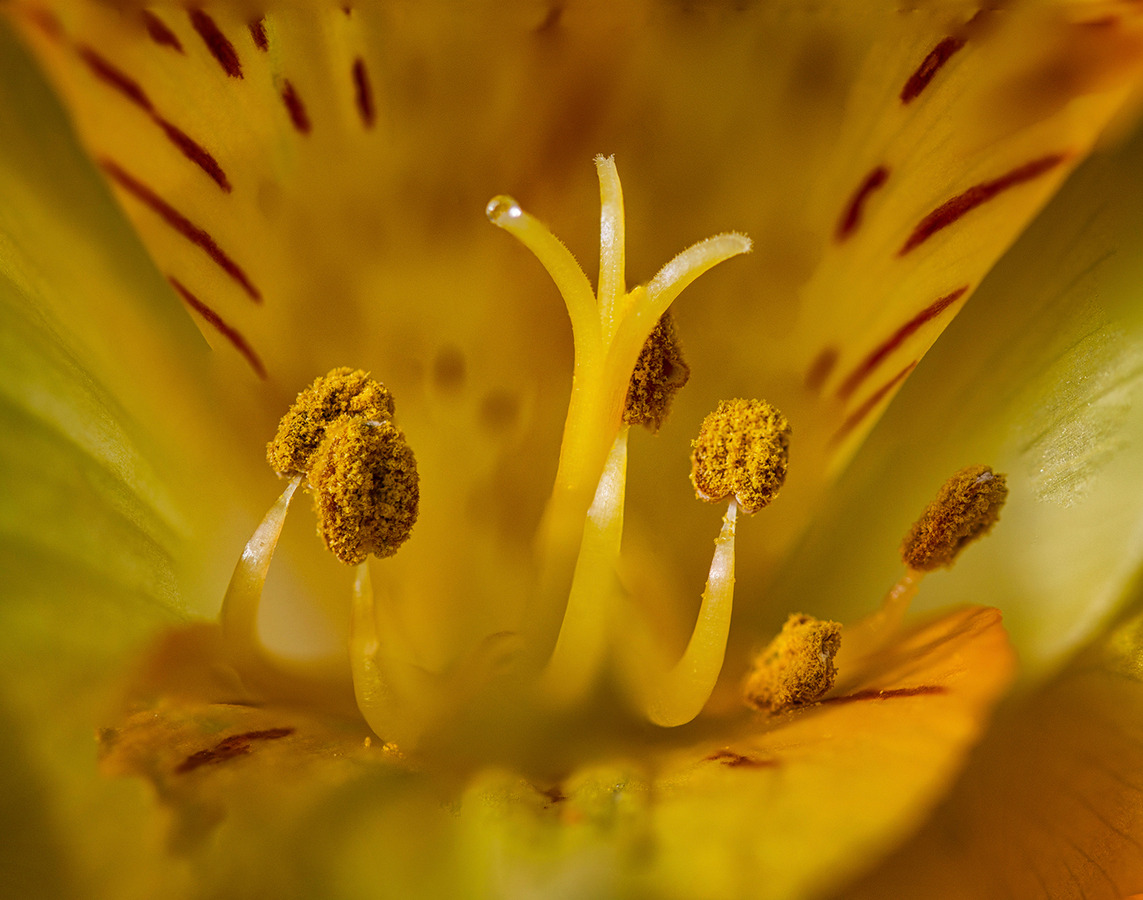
pixel 308 184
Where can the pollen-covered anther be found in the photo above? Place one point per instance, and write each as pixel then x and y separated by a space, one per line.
pixel 659 374
pixel 966 508
pixel 742 451
pixel 366 489
pixel 796 668
pixel 342 392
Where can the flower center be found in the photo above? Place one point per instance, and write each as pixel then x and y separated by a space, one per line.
pixel 582 653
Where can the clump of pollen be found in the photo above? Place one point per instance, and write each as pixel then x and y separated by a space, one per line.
pixel 339 436
pixel 742 451
pixel 660 373
pixel 966 508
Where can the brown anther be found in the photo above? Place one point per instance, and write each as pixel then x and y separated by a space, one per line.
pixel 742 451
pixel 966 508
pixel 366 489
pixel 796 668
pixel 343 392
pixel 659 374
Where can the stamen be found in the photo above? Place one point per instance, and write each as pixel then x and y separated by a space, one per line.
pixel 966 508
pixel 366 489
pixel 742 451
pixel 797 667
pixel 342 392
pixel 660 373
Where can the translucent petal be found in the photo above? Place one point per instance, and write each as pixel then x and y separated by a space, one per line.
pixel 1039 379
pixel 1050 805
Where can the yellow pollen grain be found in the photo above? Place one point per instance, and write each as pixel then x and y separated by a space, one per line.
pixel 366 489
pixel 796 668
pixel 341 393
pixel 659 374
pixel 966 508
pixel 742 451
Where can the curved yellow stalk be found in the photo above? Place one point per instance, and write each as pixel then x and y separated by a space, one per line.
pixel 583 636
pixel 681 693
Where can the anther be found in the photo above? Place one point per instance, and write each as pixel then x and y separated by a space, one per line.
pixel 660 373
pixel 366 489
pixel 343 392
pixel 797 667
pixel 742 451
pixel 966 508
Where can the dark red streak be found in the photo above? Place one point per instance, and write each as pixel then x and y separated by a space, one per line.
pixel 858 415
pixel 851 218
pixel 929 67
pixel 258 33
pixel 111 76
pixel 951 210
pixel 195 152
pixel 919 691
pixel 231 334
pixel 363 92
pixel 228 748
pixel 879 355
pixel 181 224
pixel 821 368
pixel 296 108
pixel 217 43
pixel 160 33
pixel 129 88
pixel 738 761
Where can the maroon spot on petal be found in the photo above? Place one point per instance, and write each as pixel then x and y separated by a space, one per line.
pixel 229 748
pixel 737 761
pixel 113 77
pixel 363 93
pixel 195 152
pixel 851 217
pixel 551 21
pixel 295 108
pixel 46 22
pixel 227 331
pixel 951 210
pixel 554 794
pixel 1108 21
pixel 858 415
pixel 821 368
pixel 258 34
pixel 217 43
pixel 868 365
pixel 929 67
pixel 159 32
pixel 891 694
pixel 180 223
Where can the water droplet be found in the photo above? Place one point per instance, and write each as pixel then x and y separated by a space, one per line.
pixel 502 208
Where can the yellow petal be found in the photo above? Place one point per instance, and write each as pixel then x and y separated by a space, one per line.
pixel 1040 378
pixel 1051 804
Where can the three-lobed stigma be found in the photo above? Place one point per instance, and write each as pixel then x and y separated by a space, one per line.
pixel 966 508
pixel 742 451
